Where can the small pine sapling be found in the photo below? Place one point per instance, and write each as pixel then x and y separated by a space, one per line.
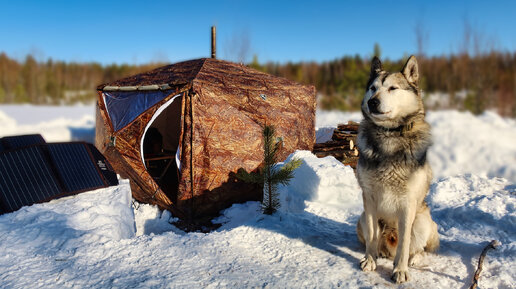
pixel 270 176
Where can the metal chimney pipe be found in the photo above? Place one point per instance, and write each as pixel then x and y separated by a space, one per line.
pixel 213 42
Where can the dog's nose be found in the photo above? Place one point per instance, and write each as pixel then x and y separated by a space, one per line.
pixel 373 104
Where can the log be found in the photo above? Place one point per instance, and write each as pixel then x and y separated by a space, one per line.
pixel 351 126
pixel 348 127
pixel 338 154
pixel 333 149
pixel 345 133
pixel 348 139
pixel 329 143
pixel 334 145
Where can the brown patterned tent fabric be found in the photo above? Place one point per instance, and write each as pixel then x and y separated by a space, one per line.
pixel 213 127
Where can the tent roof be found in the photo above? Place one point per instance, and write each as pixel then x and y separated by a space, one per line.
pixel 208 71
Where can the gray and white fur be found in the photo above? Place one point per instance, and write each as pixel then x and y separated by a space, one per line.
pixel 393 171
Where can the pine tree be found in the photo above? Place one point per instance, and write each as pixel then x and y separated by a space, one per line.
pixel 270 176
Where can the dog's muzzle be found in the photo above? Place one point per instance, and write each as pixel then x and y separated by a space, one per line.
pixel 373 104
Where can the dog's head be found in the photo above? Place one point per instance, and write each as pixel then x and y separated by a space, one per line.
pixel 392 98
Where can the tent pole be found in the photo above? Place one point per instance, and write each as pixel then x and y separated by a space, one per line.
pixel 191 155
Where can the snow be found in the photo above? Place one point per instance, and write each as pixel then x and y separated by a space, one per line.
pixel 42 241
pixel 54 123
pixel 103 239
pixel 463 143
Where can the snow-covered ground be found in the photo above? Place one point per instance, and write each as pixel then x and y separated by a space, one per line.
pixel 100 239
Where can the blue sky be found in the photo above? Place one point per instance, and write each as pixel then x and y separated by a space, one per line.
pixel 144 31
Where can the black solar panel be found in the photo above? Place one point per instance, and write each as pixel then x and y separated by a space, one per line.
pixel 14 142
pixel 75 166
pixel 25 178
pixel 1 146
pixel 40 172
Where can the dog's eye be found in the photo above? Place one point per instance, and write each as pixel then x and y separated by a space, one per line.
pixel 392 88
pixel 372 88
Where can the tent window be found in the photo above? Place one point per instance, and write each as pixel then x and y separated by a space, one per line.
pixel 124 106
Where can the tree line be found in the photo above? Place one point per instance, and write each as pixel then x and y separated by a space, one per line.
pixel 465 82
pixel 474 83
pixel 57 82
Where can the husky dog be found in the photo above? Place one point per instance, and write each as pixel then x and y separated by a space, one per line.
pixel 393 172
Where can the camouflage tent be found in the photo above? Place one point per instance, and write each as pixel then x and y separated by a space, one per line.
pixel 180 132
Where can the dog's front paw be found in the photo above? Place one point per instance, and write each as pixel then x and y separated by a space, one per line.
pixel 400 276
pixel 368 263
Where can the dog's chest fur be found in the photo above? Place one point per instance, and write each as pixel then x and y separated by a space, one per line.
pixel 389 160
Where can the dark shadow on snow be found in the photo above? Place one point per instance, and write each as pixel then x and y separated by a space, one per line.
pixel 316 231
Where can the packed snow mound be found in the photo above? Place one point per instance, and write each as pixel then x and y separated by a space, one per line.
pixel 323 180
pixel 150 220
pixel 43 240
pixel 62 225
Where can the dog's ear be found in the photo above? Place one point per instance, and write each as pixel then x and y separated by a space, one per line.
pixel 411 71
pixel 376 67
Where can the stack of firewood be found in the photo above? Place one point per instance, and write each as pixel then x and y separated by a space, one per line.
pixel 342 144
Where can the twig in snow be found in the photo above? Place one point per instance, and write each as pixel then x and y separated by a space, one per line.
pixel 493 245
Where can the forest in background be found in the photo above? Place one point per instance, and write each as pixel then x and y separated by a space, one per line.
pixel 486 81
pixel 466 81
